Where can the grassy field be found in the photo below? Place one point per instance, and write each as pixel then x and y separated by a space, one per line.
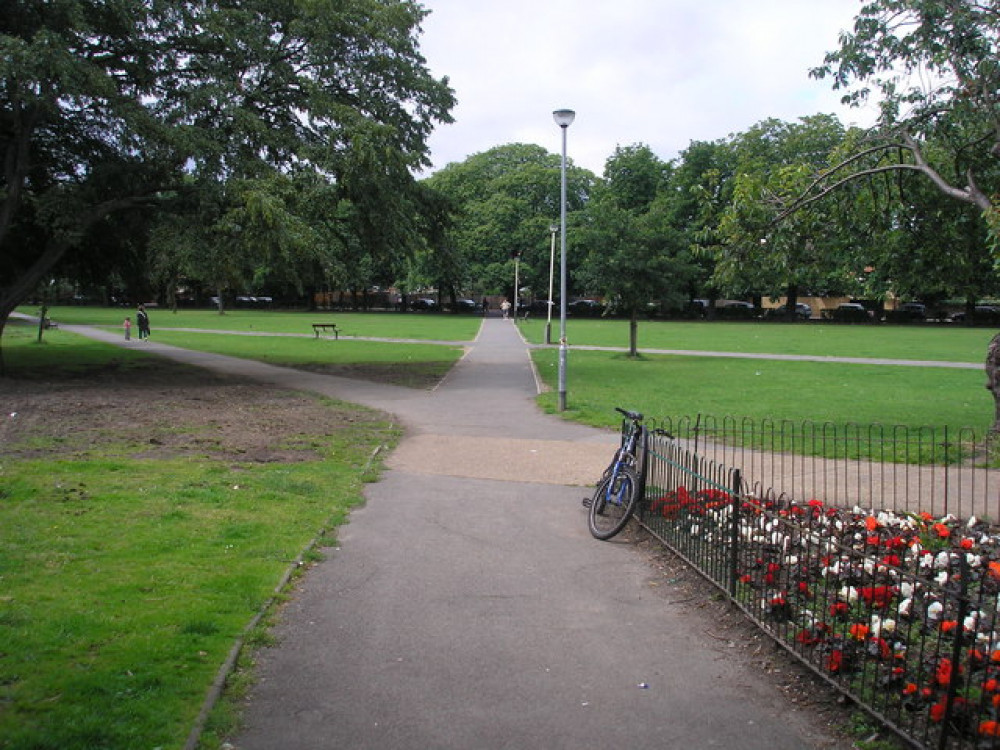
pixel 139 533
pixel 420 326
pixel 944 343
pixel 668 386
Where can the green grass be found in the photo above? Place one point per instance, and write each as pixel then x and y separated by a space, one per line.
pixel 943 343
pixel 674 386
pixel 424 361
pixel 420 326
pixel 126 579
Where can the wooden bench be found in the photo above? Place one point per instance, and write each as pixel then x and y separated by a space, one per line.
pixel 317 327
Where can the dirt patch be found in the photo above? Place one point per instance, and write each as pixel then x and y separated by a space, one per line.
pixel 165 410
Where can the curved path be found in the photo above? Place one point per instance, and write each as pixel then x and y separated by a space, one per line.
pixel 467 605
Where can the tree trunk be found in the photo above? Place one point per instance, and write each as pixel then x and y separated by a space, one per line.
pixel 993 380
pixel 633 334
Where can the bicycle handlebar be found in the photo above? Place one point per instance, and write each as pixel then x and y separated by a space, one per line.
pixel 633 415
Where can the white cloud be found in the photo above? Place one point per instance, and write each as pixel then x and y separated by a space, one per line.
pixel 660 72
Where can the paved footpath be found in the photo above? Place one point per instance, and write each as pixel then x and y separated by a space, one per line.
pixel 467 605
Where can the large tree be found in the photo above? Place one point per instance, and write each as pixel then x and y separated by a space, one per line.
pixel 505 200
pixel 934 69
pixel 107 106
pixel 635 256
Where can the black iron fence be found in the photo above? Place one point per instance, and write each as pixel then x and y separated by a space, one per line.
pixel 933 470
pixel 895 607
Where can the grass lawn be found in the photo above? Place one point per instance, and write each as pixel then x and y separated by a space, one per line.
pixel 413 325
pixel 675 386
pixel 943 343
pixel 141 530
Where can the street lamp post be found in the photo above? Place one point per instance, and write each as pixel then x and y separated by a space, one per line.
pixel 564 118
pixel 553 229
pixel 517 281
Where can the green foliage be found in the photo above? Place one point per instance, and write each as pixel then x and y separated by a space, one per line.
pixel 266 99
pixel 506 199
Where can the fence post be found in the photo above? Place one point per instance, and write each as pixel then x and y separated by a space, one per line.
pixel 956 650
pixel 734 534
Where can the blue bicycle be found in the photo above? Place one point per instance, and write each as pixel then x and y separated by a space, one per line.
pixel 617 494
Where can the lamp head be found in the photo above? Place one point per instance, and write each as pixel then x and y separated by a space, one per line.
pixel 564 117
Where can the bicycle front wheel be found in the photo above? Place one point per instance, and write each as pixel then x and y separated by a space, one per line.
pixel 613 502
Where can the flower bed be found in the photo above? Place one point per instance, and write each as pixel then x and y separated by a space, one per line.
pixel 897 610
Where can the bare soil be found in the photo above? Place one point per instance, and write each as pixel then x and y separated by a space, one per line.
pixel 162 411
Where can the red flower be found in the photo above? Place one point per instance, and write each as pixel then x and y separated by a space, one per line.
pixel 892 560
pixel 941 530
pixel 835 661
pixel 967 543
pixel 840 609
pixel 937 711
pixel 871 523
pixel 942 675
pixel 877 595
pixel 858 631
pixel 910 688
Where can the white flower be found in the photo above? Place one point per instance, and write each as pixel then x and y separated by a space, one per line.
pixel 941 578
pixel 905 607
pixel 934 610
pixel 849 594
pixel 942 560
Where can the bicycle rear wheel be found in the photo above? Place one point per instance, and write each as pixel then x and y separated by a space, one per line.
pixel 613 503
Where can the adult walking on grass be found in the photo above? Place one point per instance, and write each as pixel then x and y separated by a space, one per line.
pixel 142 321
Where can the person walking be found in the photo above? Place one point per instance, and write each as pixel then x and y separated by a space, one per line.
pixel 128 328
pixel 505 307
pixel 142 319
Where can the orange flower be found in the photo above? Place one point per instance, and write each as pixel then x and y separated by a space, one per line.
pixel 910 688
pixel 941 530
pixel 995 568
pixel 871 523
pixel 990 728
pixel 858 631
pixel 948 625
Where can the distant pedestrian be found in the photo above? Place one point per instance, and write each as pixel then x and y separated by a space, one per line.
pixel 486 307
pixel 142 319
pixel 128 329
pixel 505 307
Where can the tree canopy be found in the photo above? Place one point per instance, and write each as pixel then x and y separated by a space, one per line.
pixel 106 107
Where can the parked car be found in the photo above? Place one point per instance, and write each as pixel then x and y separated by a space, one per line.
pixel 735 310
pixel 981 315
pixel 851 312
pixel 423 303
pixel 911 311
pixel 466 305
pixel 802 311
pixel 584 307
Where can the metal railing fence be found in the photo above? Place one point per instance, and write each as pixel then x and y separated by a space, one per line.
pixel 903 469
pixel 897 611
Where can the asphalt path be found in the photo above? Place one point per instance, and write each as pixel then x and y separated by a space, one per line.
pixel 467 606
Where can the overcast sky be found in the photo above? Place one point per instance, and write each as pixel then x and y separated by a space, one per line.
pixel 659 72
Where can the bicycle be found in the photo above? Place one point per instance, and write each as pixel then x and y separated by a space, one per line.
pixel 618 492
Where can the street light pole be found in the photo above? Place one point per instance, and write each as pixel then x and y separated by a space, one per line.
pixel 517 281
pixel 564 118
pixel 553 229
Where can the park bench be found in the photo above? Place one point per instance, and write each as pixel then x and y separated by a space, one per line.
pixel 317 327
